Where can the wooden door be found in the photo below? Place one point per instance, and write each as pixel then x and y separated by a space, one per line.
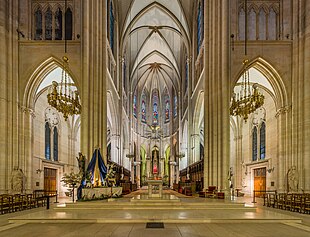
pixel 49 179
pixel 260 181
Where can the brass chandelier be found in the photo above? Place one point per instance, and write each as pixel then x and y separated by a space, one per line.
pixel 61 96
pixel 249 99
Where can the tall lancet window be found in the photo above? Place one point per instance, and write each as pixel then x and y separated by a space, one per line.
pixel 262 142
pixel 175 106
pixel 47 141
pixel 55 144
pixel 69 24
pixel 135 105
pixel 38 24
pixel 48 24
pixel 254 144
pixel 155 101
pixel 143 107
pixel 111 25
pixel 167 106
pixel 58 24
pixel 200 23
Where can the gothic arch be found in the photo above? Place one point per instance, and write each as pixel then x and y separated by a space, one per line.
pixel 272 76
pixel 38 76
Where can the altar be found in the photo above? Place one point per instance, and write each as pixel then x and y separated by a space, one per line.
pixel 97 193
pixel 151 184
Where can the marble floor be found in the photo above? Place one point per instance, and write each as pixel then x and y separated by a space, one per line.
pixel 125 217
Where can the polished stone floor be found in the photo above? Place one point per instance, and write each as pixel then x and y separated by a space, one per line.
pixel 128 217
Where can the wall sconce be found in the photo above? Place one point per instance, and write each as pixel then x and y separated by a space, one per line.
pixel 39 171
pixel 270 170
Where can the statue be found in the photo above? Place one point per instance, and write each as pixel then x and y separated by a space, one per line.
pixel 229 177
pixel 81 161
pixel 17 180
pixel 110 178
pixel 292 179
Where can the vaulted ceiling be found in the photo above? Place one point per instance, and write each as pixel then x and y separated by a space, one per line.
pixel 155 34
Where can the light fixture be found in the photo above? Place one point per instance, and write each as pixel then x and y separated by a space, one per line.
pixel 62 96
pixel 248 99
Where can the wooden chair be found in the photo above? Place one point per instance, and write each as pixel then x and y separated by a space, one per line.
pixel 5 203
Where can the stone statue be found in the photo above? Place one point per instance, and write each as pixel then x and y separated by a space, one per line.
pixel 292 179
pixel 17 180
pixel 81 161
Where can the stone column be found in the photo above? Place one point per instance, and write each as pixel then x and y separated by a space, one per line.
pixel 306 105
pixel 94 89
pixel 282 162
pixel 216 96
pixel 238 161
pixel 3 96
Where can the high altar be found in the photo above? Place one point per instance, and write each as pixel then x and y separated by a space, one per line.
pixel 154 182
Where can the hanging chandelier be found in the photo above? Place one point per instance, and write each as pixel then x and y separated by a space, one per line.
pixel 62 96
pixel 248 99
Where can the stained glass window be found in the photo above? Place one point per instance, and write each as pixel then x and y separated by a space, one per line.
pixel 111 25
pixel 254 144
pixel 200 23
pixel 155 101
pixel 58 24
pixel 38 24
pixel 135 105
pixel 55 144
pixel 143 107
pixel 68 27
pixel 48 24
pixel 167 106
pixel 47 141
pixel 262 143
pixel 175 106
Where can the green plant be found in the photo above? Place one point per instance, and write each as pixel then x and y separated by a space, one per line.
pixel 72 179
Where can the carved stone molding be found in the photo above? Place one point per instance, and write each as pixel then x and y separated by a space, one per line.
pixel 283 110
pixel 26 110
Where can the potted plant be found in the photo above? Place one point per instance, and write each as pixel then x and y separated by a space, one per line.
pixel 72 180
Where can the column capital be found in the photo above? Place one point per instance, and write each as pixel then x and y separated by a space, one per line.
pixel 283 110
pixel 26 110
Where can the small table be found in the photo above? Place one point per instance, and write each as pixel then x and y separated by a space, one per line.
pixel 152 183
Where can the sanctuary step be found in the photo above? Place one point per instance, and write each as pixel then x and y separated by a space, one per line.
pixel 137 210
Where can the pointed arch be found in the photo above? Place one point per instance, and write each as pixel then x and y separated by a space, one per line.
pixel 272 76
pixel 166 106
pixel 155 107
pixel 38 75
